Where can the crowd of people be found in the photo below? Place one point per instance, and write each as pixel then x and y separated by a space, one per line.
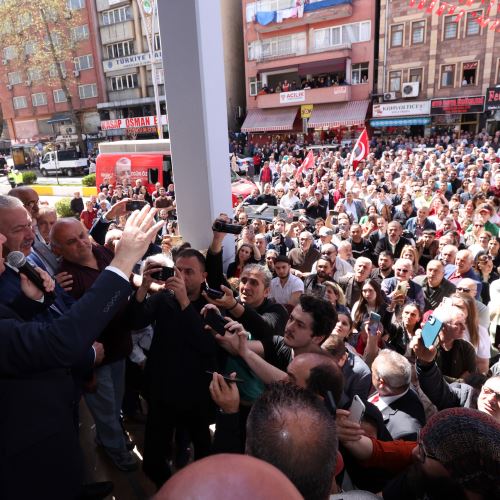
pixel 309 352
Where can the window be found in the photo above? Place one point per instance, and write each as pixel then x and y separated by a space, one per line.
pixel 39 99
pixel 271 5
pixel 59 96
pixel 14 78
pixel 417 32
pixel 29 48
pixel 394 81
pixel 450 29
pixel 473 27
pixel 416 75
pixel 80 32
pixel 157 42
pixel 76 4
pixel 116 15
pixel 255 85
pixel 124 82
pixel 274 47
pixel 120 49
pixel 20 102
pixel 359 73
pixel 328 37
pixel 448 75
pixel 469 73
pixel 87 91
pixel 25 19
pixel 397 32
pixel 53 70
pixel 84 62
pixel 9 53
pixel 344 34
pixel 55 38
pixel 34 74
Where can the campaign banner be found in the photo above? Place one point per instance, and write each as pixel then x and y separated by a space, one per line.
pixel 292 96
pixel 411 108
pixel 135 122
pixel 131 61
pixel 457 105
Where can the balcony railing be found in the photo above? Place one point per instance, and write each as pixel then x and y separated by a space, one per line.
pixel 322 95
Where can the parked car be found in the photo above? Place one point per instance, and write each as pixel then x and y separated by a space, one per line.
pixel 240 186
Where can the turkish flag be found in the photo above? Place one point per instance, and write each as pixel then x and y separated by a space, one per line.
pixel 307 164
pixel 361 148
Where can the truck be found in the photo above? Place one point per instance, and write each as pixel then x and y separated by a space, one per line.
pixel 63 162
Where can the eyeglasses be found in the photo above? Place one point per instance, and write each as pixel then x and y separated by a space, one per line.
pixel 478 225
pixel 403 271
pixel 485 258
pixel 328 253
pixel 461 289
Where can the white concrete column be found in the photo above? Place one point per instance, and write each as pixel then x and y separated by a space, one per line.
pixel 193 60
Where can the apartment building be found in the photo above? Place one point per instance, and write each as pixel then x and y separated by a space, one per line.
pixel 435 74
pixel 36 110
pixel 309 66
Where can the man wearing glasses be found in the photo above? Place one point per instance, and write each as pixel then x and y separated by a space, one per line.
pixel 463 269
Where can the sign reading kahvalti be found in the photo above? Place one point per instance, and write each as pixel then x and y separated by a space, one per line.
pixel 457 105
pixel 410 108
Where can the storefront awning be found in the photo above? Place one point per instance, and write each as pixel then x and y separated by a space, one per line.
pixel 262 120
pixel 401 122
pixel 59 117
pixel 346 114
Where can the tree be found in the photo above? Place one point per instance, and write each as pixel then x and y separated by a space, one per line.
pixel 39 37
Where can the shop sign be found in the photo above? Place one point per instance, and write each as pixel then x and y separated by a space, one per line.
pixel 457 105
pixel 306 110
pixel 136 122
pixel 292 96
pixel 492 98
pixel 131 61
pixel 412 108
pixel 339 90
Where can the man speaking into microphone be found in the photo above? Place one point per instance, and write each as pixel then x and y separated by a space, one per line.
pixel 40 456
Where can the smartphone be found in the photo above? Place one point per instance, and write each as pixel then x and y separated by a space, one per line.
pixel 357 409
pixel 373 323
pixel 276 212
pixel 130 206
pixel 163 275
pixel 333 213
pixel 402 287
pixel 227 378
pixel 334 220
pixel 431 330
pixel 214 294
pixel 295 218
pixel 215 321
pixel 330 404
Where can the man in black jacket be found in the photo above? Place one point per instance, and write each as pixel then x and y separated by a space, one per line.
pixel 394 241
pixel 181 352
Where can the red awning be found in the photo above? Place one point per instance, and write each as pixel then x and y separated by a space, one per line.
pixel 346 114
pixel 262 120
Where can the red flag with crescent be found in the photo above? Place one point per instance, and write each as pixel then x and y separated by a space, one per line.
pixel 307 164
pixel 361 149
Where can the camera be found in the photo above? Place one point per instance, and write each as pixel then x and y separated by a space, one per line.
pixel 224 227
pixel 163 275
pixel 130 206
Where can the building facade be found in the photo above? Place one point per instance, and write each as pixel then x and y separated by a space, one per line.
pixel 309 66
pixel 435 70
pixel 36 110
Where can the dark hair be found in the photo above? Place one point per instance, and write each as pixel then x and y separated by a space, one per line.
pixel 386 253
pixel 187 253
pixel 281 258
pixel 362 309
pixel 326 377
pixel 291 428
pixel 323 313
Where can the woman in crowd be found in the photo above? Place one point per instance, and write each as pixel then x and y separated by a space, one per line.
pixel 335 295
pixel 410 252
pixel 476 334
pixel 371 300
pixel 398 335
pixel 245 255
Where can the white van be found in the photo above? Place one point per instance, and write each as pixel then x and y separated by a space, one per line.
pixel 66 162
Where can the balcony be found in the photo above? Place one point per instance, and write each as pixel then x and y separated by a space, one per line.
pixel 311 13
pixel 311 96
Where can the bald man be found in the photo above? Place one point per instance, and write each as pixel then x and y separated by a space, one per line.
pixel 463 269
pixel 228 476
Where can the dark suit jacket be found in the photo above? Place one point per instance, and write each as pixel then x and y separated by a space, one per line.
pixel 405 417
pixel 39 452
pixel 383 244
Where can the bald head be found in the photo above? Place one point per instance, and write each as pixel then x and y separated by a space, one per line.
pixel 70 239
pixel 247 478
pixel 28 197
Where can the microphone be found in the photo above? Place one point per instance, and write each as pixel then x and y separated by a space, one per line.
pixel 19 262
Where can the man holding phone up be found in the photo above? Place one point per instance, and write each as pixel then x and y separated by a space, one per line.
pixel 181 352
